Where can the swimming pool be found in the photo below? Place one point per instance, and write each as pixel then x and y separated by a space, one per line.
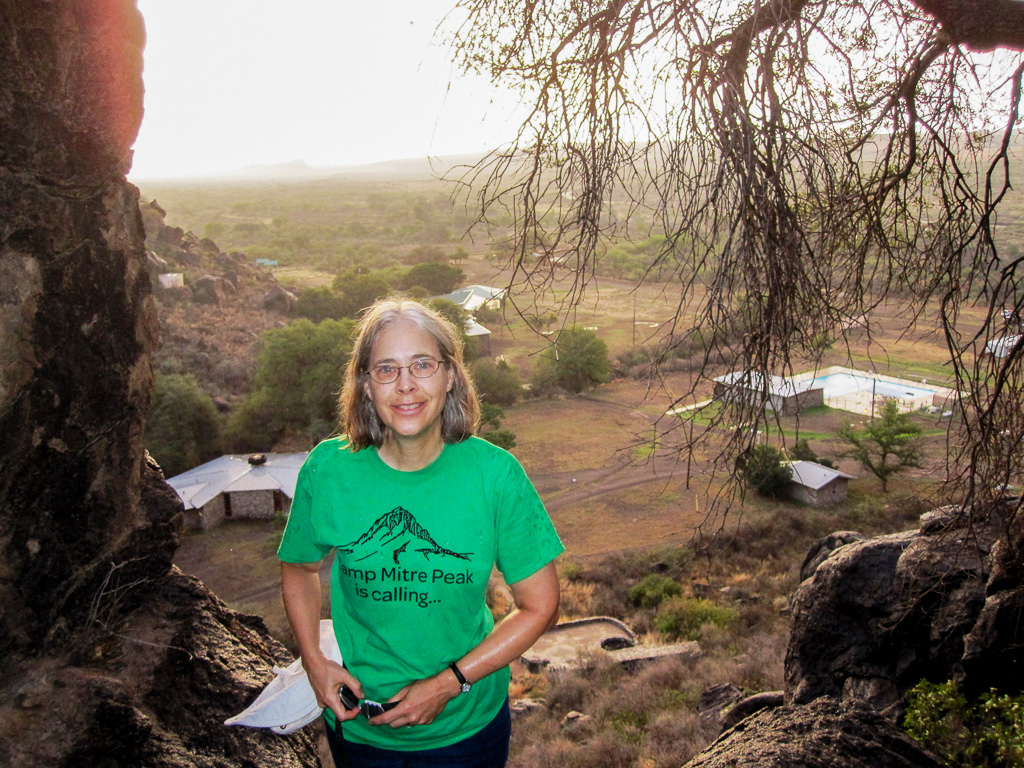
pixel 841 384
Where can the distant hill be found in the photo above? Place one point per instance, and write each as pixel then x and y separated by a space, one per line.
pixel 300 170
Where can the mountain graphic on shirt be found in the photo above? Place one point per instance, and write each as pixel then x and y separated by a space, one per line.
pixel 398 534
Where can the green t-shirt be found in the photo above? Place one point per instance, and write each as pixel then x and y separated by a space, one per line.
pixel 413 553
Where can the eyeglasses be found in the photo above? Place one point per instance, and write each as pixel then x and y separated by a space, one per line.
pixel 424 368
pixel 366 707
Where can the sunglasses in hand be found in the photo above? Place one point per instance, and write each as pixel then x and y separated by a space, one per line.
pixel 367 707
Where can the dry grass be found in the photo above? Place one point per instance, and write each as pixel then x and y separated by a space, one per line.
pixel 649 718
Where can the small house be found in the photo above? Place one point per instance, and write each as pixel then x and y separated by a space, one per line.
pixel 782 395
pixel 817 485
pixel 1002 346
pixel 482 335
pixel 473 297
pixel 258 486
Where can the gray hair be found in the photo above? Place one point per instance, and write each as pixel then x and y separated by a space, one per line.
pixel 359 419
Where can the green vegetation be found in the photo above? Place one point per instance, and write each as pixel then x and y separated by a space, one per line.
pixel 183 430
pixel 298 376
pixel 496 383
pixel 985 733
pixel 327 224
pixel 802 451
pixel 321 303
pixel 888 444
pixel 491 429
pixel 685 617
pixel 763 469
pixel 359 289
pixel 577 360
pixel 436 277
pixel 653 590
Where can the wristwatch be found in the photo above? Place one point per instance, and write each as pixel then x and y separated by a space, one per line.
pixel 464 684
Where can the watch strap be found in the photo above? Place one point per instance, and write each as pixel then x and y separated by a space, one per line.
pixel 464 684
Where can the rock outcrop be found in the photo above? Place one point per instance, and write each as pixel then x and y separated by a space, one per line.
pixel 824 734
pixel 881 614
pixel 107 657
pixel 873 618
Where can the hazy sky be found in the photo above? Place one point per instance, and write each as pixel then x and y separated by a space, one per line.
pixel 231 83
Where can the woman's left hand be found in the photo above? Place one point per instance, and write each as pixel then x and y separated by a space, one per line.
pixel 420 702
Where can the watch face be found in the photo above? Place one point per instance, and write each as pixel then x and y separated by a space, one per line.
pixel 465 687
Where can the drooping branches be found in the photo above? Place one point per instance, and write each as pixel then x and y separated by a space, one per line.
pixel 805 160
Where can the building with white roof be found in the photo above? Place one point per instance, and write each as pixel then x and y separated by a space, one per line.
pixel 257 486
pixel 1002 346
pixel 817 485
pixel 472 297
pixel 779 394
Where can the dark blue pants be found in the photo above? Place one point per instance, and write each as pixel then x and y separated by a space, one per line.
pixel 488 748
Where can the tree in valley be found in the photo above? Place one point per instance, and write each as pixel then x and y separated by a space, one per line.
pixel 577 360
pixel 321 303
pixel 496 382
pixel 359 290
pixel 765 469
pixel 298 375
pixel 890 443
pixel 436 276
pixel 491 429
pixel 183 430
pixel 804 160
pixel 801 451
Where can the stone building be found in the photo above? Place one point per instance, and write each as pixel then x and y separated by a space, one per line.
pixel 259 487
pixel 817 485
pixel 782 395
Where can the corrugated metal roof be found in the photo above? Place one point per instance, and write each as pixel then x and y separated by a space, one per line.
pixel 813 475
pixel 1003 346
pixel 233 473
pixel 473 328
pixel 472 297
pixel 775 385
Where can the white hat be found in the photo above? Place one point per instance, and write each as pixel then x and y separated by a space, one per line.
pixel 288 702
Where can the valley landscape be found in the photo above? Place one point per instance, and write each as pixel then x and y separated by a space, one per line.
pixel 626 500
pixel 882 631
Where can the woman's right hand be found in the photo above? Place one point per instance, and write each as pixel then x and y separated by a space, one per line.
pixel 326 678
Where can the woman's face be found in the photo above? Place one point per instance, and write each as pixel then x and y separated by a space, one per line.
pixel 410 407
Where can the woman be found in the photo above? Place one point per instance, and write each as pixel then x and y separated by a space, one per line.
pixel 417 512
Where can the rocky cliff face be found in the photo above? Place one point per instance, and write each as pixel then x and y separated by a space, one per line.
pixel 106 655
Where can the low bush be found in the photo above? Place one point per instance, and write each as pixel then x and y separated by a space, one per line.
pixel 681 618
pixel 653 590
pixel 985 733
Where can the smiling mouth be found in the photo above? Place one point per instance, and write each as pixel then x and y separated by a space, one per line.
pixel 408 407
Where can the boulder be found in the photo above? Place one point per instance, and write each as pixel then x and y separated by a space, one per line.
pixel 879 615
pixel 824 734
pixel 108 655
pixel 822 548
pixel 208 289
pixel 751 704
pixel 153 694
pixel 715 701
pixel 278 299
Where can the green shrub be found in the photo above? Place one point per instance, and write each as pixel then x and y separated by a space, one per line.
pixel 183 430
pixel 763 468
pixel 681 618
pixel 320 303
pixel 497 383
pixel 989 732
pixel 571 571
pixel 653 591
